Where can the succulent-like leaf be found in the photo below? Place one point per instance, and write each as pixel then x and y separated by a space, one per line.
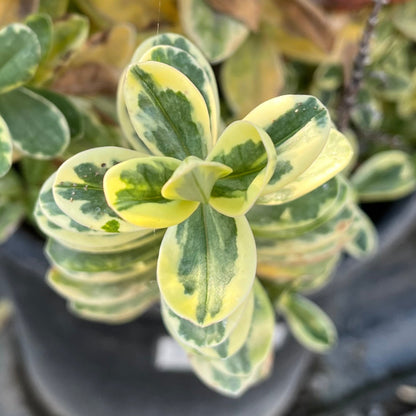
pixel 259 341
pixel 216 34
pixel 299 128
pixel 334 157
pixel 233 375
pixel 167 111
pixel 178 41
pixel 365 239
pixel 5 148
pixel 308 323
pixel 41 25
pixel 189 66
pixel 301 215
pixel 79 191
pixel 235 339
pixel 206 266
pixel 384 176
pixel 37 127
pixel 100 294
pixel 133 189
pixel 19 56
pixel 194 179
pixel 249 151
pixel 73 261
pixel 194 336
pixel 252 75
pixel 93 242
pixel 118 313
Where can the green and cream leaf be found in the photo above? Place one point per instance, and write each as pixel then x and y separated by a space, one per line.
pixel 5 148
pixel 133 189
pixel 206 266
pixel 20 54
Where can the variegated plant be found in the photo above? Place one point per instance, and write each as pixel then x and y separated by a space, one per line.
pixel 167 219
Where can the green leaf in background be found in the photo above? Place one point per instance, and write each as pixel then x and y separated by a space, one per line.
pixel 385 176
pixel 133 189
pixel 54 8
pixel 367 113
pixel 217 34
pixel 67 108
pixel 5 148
pixel 308 323
pixel 250 153
pixel 167 110
pixel 19 56
pixel 206 266
pixel 403 18
pixel 37 127
pixel 79 190
pixel 299 128
pixel 365 239
pixel 252 75
pixel 69 34
pixel 41 25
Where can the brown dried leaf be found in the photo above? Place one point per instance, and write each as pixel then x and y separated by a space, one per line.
pixel 16 10
pixel 309 20
pixel 350 4
pixel 247 11
pixel 90 78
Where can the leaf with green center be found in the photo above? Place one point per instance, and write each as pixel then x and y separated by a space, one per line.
pixel 167 111
pixel 100 294
pixel 217 34
pixel 308 323
pixel 118 313
pixel 250 153
pixel 133 189
pixel 189 66
pixel 332 160
pixel 258 344
pixel 206 266
pixel 385 176
pixel 193 335
pixel 365 238
pixel 37 127
pixel 235 339
pixel 367 112
pixel 228 384
pixel 93 242
pixel 252 75
pixel 194 179
pixel 301 215
pixel 67 108
pixel 69 34
pixel 5 148
pixel 299 127
pixel 19 56
pixel 41 25
pixel 72 261
pixel 180 42
pixel 79 189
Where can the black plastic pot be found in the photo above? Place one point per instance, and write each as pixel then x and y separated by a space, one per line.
pixel 79 368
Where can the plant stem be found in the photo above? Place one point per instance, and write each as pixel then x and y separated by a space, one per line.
pixel 351 90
